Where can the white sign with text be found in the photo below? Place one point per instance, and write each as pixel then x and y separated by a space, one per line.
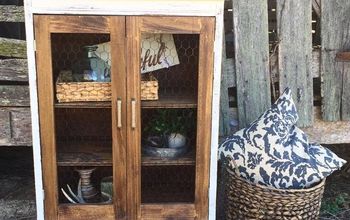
pixel 158 51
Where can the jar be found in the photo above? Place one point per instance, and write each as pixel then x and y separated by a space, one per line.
pixel 91 68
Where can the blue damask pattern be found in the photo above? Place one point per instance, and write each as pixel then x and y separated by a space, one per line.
pixel 272 151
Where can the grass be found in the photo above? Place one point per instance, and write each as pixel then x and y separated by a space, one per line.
pixel 336 198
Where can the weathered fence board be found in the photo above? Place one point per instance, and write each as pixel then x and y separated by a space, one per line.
pixel 15 127
pixel 224 128
pixel 14 95
pixel 14 70
pixel 251 58
pixel 345 107
pixel 11 13
pixel 13 48
pixel 335 37
pixel 231 78
pixel 295 54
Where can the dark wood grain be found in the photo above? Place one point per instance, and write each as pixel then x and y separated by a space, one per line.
pixel 163 102
pixel 84 154
pixel 86 212
pixel 100 154
pixel 171 102
pixel 133 134
pixel 119 136
pixel 16 95
pixel 14 70
pixel 168 24
pixel 187 159
pixel 79 24
pixel 83 105
pixel 205 91
pixel 168 211
pixel 46 114
pixel 205 27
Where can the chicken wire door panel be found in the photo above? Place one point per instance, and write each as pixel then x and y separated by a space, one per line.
pixel 169 130
pixel 81 87
pixel 125 114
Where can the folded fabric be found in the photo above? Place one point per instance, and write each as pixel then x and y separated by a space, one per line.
pixel 272 151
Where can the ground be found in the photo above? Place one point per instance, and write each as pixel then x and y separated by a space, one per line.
pixel 17 197
pixel 336 199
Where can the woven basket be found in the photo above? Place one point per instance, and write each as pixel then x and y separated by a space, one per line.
pixel 149 89
pixel 83 91
pixel 99 91
pixel 245 200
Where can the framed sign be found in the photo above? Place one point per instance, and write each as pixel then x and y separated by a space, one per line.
pixel 158 51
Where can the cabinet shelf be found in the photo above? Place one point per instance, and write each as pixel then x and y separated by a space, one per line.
pixel 171 102
pixel 83 105
pixel 163 102
pixel 98 154
pixel 84 154
pixel 187 159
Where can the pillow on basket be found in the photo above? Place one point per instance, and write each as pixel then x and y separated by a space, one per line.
pixel 272 151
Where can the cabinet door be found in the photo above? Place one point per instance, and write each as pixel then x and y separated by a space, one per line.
pixel 82 142
pixel 168 131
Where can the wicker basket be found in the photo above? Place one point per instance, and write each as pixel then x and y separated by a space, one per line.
pixel 245 200
pixel 99 91
pixel 83 91
pixel 149 89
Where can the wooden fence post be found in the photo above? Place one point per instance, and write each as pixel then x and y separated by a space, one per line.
pixel 250 27
pixel 335 37
pixel 294 33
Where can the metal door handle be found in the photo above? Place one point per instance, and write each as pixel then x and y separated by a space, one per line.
pixel 119 113
pixel 133 113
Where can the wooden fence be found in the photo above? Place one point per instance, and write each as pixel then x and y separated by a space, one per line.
pixel 270 45
pixel 289 43
pixel 15 126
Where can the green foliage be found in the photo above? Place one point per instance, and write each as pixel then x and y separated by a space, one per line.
pixel 335 205
pixel 166 121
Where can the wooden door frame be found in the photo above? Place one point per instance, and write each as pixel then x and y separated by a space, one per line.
pixel 205 27
pixel 44 25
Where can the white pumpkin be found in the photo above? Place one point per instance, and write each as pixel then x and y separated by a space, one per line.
pixel 176 140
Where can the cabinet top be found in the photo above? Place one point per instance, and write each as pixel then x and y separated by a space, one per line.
pixel 127 7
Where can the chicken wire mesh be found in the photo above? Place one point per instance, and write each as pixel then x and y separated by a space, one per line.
pixel 81 128
pixel 83 124
pixel 170 58
pixel 69 175
pixel 177 78
pixel 70 51
pixel 173 61
pixel 161 184
pixel 169 183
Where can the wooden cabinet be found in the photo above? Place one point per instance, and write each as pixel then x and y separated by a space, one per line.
pixel 111 136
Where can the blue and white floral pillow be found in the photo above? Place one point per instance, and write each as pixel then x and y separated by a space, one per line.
pixel 272 151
